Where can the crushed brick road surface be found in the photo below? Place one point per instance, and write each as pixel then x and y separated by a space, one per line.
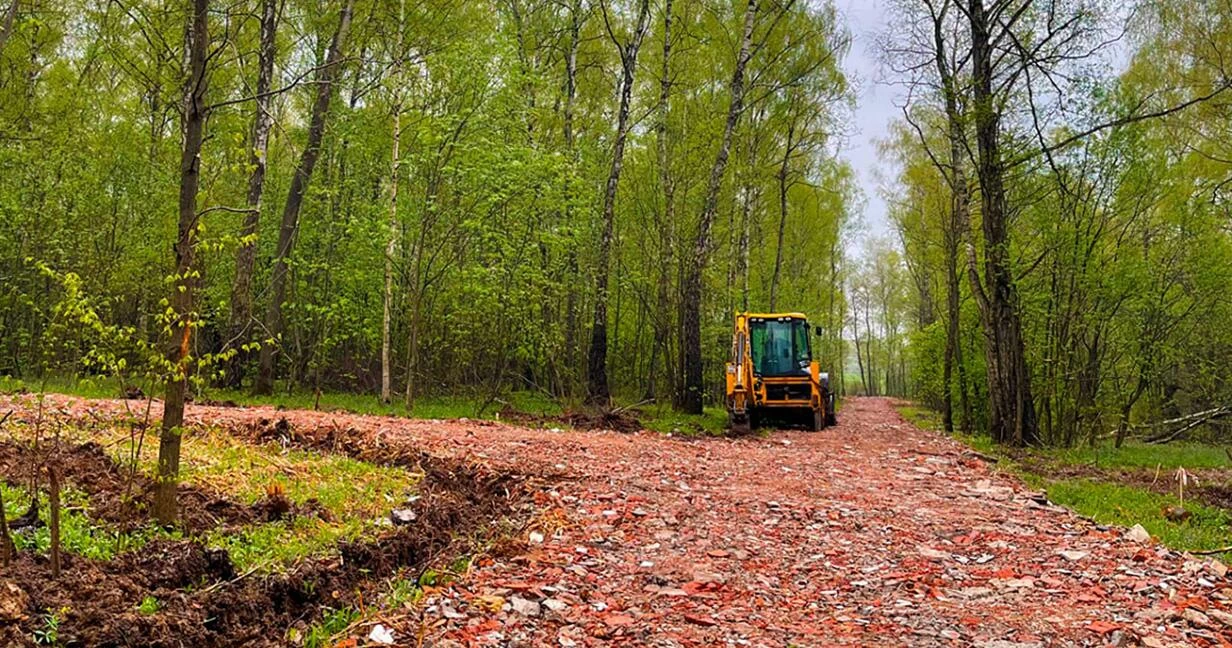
pixel 872 533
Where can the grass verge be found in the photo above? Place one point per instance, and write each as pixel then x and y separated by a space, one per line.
pixel 663 419
pixel 79 534
pixel 334 497
pixel 1105 500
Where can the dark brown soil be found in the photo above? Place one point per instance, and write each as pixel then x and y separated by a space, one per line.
pixel 620 421
pixel 202 601
pixel 124 500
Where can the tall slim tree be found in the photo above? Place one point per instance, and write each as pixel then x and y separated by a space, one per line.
pixel 246 254
pixel 327 78
pixel 691 297
pixel 597 383
pixel 187 275
pixel 666 223
pixel 391 244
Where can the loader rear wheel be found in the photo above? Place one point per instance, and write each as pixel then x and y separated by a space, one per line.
pixel 819 421
pixel 831 415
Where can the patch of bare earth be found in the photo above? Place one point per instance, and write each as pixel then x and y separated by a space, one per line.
pixel 872 533
pixel 202 600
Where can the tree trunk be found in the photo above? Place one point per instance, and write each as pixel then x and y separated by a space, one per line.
pixel 246 255
pixel 871 386
pixel 391 245
pixel 597 390
pixel 1012 411
pixel 6 23
pixel 327 77
pixel 576 19
pixel 691 334
pixel 667 226
pixel 951 329
pixel 186 276
pixel 743 243
pixel 855 336
pixel 783 186
pixel 53 521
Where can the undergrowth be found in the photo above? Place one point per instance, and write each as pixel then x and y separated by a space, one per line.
pixel 79 534
pixel 354 496
pixel 665 420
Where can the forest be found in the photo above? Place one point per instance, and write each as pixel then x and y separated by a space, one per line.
pixel 1060 201
pixel 407 322
pixel 441 197
pixel 412 197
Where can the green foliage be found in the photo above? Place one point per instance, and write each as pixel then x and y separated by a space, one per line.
pixel 149 605
pixel 926 349
pixel 1118 247
pixel 335 622
pixel 79 534
pixel 497 220
pixel 49 633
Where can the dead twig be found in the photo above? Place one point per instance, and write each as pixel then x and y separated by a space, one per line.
pixel 1186 423
pixel 981 456
pixel 1209 552
pixel 233 581
pixel 629 407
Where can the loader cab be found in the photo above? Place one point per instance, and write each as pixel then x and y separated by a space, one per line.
pixel 780 346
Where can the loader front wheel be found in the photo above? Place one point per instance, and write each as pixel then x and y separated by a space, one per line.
pixel 831 415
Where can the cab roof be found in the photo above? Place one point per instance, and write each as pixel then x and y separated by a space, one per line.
pixel 775 315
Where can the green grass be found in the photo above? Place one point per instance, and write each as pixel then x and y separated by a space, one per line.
pixel 273 546
pixel 431 407
pixel 661 418
pixel 1135 454
pixel 355 493
pixel 149 605
pixel 244 471
pixel 1109 503
pixel 1112 503
pixel 79 534
pixel 357 496
pixel 335 622
pixel 83 387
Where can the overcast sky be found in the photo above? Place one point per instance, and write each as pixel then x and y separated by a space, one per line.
pixel 877 106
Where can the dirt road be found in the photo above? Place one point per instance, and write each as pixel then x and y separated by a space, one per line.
pixel 872 533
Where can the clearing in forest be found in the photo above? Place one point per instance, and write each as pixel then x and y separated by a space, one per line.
pixel 871 533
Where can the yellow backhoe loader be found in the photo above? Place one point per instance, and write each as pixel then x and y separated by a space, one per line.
pixel 772 373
